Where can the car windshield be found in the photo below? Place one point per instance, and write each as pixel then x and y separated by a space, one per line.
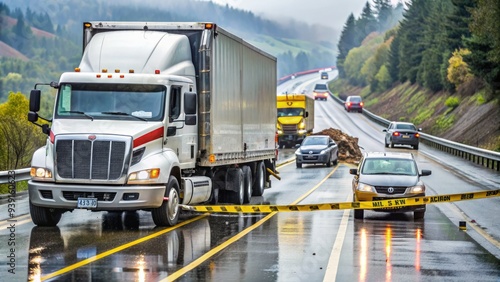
pixel 320 87
pixel 355 99
pixel 389 166
pixel 283 112
pixel 111 101
pixel 405 126
pixel 315 141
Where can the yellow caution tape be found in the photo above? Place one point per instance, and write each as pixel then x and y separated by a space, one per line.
pixel 390 203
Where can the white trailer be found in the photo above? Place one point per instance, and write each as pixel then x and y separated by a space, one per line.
pixel 156 115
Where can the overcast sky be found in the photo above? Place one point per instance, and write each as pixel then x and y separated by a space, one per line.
pixel 331 13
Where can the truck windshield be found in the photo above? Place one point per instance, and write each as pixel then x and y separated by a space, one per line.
pixel 111 101
pixel 288 112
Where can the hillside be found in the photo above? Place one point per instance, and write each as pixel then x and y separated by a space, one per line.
pixel 475 121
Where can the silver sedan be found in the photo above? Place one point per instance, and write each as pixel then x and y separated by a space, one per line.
pixel 316 149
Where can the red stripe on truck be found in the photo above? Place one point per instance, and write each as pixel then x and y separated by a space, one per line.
pixel 148 137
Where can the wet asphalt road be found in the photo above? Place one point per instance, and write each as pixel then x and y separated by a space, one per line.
pixel 293 246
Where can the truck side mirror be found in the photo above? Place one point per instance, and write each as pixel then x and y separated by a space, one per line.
pixel 307 114
pixel 35 100
pixel 190 103
pixel 32 117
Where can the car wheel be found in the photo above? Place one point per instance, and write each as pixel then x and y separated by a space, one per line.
pixel 418 214
pixel 359 214
pixel 329 162
pixel 385 143
pixel 360 111
pixel 392 144
pixel 336 160
pixel 415 147
pixel 299 165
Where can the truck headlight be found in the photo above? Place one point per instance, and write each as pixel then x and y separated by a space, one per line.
pixel 40 173
pixel 143 175
pixel 302 125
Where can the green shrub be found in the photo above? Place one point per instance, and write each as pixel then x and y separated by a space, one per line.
pixel 452 102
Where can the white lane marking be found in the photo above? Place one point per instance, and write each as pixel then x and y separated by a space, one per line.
pixel 333 262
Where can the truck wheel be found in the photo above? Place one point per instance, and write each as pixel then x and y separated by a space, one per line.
pixel 247 183
pixel 234 179
pixel 44 216
pixel 260 174
pixel 168 213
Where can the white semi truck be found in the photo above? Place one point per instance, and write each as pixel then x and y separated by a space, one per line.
pixel 158 114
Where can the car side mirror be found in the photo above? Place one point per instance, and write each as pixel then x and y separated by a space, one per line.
pixel 419 129
pixel 353 171
pixel 384 130
pixel 425 172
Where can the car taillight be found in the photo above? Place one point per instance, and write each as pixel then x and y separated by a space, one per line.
pixel 396 133
pixel 417 135
pixel 348 104
pixel 361 104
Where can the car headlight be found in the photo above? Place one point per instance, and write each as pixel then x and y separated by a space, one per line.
pixel 143 176
pixel 40 173
pixel 298 152
pixel 419 188
pixel 324 151
pixel 366 188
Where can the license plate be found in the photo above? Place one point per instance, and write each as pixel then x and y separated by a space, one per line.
pixel 406 136
pixel 87 203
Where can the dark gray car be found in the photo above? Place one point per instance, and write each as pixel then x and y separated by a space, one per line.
pixel 402 133
pixel 316 149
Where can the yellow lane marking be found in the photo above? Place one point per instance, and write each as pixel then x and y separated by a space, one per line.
pixel 238 236
pixel 215 250
pixel 119 248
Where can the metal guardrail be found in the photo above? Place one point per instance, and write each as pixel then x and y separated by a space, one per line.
pixel 486 158
pixel 16 175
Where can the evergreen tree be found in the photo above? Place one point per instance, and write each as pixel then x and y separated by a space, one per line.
pixel 347 42
pixel 412 44
pixel 366 24
pixel 383 9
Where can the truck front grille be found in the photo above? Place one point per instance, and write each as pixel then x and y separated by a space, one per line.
pixel 292 128
pixel 90 159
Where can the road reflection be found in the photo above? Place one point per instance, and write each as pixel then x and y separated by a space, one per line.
pixel 400 238
pixel 135 253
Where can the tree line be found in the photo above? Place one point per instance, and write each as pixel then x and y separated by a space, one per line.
pixel 437 44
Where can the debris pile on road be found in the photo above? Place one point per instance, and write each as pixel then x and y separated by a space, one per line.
pixel 349 150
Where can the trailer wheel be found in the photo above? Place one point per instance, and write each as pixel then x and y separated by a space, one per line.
pixel 247 183
pixel 44 216
pixel 235 186
pixel 168 213
pixel 260 178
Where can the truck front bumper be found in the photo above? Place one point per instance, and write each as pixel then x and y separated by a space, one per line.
pixel 109 197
